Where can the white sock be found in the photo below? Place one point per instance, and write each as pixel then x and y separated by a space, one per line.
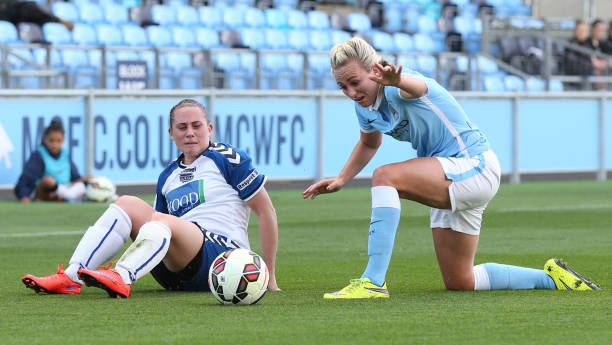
pixel 101 241
pixel 148 250
pixel 73 191
pixel 481 278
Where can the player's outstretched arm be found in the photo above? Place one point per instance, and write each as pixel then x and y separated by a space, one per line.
pixel 410 86
pixel 268 230
pixel 363 152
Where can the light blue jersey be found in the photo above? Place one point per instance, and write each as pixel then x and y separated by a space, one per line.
pixel 434 123
pixel 58 168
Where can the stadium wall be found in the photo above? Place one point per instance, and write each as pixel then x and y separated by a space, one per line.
pixel 294 135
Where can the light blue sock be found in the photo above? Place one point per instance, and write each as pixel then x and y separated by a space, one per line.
pixel 508 277
pixel 383 225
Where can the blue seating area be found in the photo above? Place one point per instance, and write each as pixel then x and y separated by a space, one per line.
pixel 283 39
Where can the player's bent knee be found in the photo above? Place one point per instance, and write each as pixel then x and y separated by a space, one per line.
pixel 382 176
pixel 459 284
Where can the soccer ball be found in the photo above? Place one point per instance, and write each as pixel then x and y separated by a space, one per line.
pixel 238 276
pixel 100 189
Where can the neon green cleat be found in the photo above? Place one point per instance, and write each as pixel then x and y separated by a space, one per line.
pixel 566 278
pixel 359 288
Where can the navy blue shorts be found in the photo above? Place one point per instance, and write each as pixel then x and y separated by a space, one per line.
pixel 213 246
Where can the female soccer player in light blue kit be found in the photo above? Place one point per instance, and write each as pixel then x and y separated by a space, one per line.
pixel 456 174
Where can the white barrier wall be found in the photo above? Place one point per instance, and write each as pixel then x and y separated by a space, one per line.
pixel 293 134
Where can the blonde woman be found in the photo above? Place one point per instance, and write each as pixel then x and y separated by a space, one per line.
pixel 456 173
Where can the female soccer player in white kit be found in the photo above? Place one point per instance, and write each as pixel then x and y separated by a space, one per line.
pixel 456 174
pixel 202 208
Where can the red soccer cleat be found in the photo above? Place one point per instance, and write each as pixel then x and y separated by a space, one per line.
pixel 108 280
pixel 55 283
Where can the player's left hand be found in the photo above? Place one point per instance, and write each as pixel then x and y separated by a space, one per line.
pixel 386 75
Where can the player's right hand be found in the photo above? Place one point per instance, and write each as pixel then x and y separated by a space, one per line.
pixel 325 186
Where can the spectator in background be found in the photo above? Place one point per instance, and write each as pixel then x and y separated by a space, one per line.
pixel 49 174
pixel 606 46
pixel 578 63
pixel 16 11
pixel 600 66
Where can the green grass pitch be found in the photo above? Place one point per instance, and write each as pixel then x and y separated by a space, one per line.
pixel 323 244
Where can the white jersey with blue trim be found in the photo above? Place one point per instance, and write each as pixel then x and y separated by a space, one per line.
pixel 212 191
pixel 434 123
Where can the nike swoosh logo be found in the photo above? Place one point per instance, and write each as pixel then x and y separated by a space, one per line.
pixel 376 221
pixel 370 121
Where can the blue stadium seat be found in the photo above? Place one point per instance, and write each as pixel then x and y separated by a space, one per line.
pixel 134 35
pixel 115 14
pixel 339 36
pixel 408 62
pixel 83 74
pixel 411 19
pixel 286 4
pixel 91 13
pixel 210 16
pixel 186 75
pixel 159 36
pixel 56 33
pixel 253 38
pixel 298 40
pixel 427 65
pixel 555 85
pixel 403 42
pixel 233 17
pixel 468 10
pixel 424 43
pixel 8 32
pixel 319 73
pixel 275 18
pixel 486 65
pixel 78 3
pixel 237 77
pixel 40 56
pixel 297 19
pixel 359 22
pixel 254 18
pixel 163 14
pixel 16 63
pixel 187 15
pixel 183 37
pixel 207 38
pixel 276 39
pixel 393 19
pixel 320 40
pixel 127 55
pixel 177 3
pixel 493 83
pixel 535 84
pixel 426 24
pixel 318 20
pixel 514 83
pixel 108 34
pixel 84 34
pixel 65 10
pixel 382 41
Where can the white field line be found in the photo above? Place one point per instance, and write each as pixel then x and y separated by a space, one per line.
pixel 552 208
pixel 42 234
pixel 501 210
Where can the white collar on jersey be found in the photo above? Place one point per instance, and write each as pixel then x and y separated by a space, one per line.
pixel 379 97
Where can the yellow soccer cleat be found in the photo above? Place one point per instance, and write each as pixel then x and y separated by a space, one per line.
pixel 359 288
pixel 566 278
